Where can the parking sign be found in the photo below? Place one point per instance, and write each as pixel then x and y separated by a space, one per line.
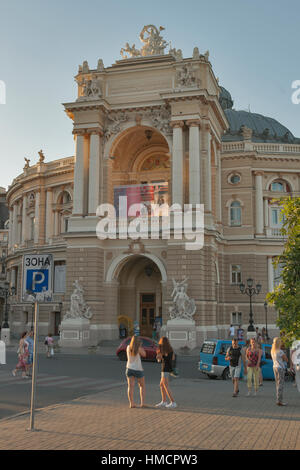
pixel 37 278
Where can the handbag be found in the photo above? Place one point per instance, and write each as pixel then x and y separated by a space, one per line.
pixel 46 343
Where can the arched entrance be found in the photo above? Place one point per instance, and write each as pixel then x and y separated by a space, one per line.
pixel 139 289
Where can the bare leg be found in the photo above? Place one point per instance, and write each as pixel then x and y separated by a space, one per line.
pixel 131 382
pixel 167 389
pixel 141 383
pixel 163 391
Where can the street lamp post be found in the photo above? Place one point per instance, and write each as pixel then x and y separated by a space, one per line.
pixel 250 291
pixel 5 292
pixel 266 314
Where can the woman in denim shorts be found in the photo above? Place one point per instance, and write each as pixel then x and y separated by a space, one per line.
pixel 134 370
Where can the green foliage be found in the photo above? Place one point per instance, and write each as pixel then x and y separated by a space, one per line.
pixel 286 296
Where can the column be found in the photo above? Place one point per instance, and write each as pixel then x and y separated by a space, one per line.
pixel 24 236
pixel 266 211
pixel 79 175
pixel 219 184
pixel 194 163
pixel 270 274
pixel 94 172
pixel 15 225
pixel 49 214
pixel 10 231
pixel 259 203
pixel 208 201
pixel 177 163
pixel 36 217
pixel 56 223
pixel 13 277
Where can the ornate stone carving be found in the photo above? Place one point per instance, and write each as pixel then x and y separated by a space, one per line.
pixel 177 53
pixel 185 76
pixel 78 308
pixel 153 42
pixel 183 306
pixel 85 67
pixel 196 54
pixel 100 66
pixel 246 132
pixel 91 89
pixel 114 122
pixel 160 119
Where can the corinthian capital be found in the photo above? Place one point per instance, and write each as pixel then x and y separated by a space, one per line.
pixel 176 124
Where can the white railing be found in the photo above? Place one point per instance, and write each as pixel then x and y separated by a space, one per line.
pixel 274 233
pixel 260 147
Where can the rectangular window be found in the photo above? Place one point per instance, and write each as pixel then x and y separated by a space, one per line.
pixel 277 274
pixel 59 277
pixel 236 318
pixel 236 274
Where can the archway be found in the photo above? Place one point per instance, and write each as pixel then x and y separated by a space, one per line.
pixel 139 280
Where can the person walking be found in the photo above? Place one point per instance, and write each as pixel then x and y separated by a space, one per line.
pixel 22 356
pixel 279 357
pixel 231 332
pixel 235 357
pixel 49 343
pixel 240 333
pixel 253 356
pixel 134 370
pixel 166 356
pixel 261 379
pixel 30 344
pixel 244 358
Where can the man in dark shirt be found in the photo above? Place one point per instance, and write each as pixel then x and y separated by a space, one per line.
pixel 234 356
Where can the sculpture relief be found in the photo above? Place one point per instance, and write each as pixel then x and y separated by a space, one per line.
pixel 91 88
pixel 185 76
pixel 160 119
pixel 153 42
pixel 114 127
pixel 78 308
pixel 183 306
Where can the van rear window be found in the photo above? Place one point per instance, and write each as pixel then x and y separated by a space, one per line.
pixel 208 347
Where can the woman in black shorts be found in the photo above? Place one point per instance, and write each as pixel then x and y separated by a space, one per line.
pixel 166 356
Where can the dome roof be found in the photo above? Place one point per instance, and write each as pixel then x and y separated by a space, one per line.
pixel 264 129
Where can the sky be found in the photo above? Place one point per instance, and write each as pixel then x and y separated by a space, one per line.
pixel 254 50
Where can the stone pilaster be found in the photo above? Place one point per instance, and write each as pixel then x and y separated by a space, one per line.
pixel 177 163
pixel 259 208
pixel 194 162
pixel 95 171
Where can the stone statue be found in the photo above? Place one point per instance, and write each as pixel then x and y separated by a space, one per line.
pixel 27 163
pixel 185 76
pixel 85 67
pixel 183 306
pixel 196 54
pixel 78 308
pixel 177 53
pixel 153 42
pixel 92 88
pixel 100 66
pixel 42 156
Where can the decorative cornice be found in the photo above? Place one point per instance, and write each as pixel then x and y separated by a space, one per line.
pixel 193 123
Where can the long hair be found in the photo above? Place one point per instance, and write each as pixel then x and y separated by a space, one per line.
pixel 134 345
pixel 276 345
pixel 164 345
pixel 23 334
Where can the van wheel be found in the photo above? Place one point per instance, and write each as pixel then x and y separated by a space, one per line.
pixel 211 376
pixel 225 375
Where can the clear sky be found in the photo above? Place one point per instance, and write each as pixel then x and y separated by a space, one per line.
pixel 254 50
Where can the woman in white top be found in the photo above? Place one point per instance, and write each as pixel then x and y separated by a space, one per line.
pixel 279 358
pixel 134 370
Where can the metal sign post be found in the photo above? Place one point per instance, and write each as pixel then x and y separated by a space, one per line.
pixel 34 366
pixel 37 287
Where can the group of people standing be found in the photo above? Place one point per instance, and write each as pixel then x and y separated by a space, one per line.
pixel 251 355
pixel 134 370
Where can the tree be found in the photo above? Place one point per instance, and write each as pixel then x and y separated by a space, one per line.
pixel 286 296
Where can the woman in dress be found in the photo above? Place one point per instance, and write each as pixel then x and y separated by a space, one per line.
pixel 279 357
pixel 22 356
pixel 49 342
pixel 134 370
pixel 253 356
pixel 166 356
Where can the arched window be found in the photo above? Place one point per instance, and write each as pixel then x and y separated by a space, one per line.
pixel 235 214
pixel 280 186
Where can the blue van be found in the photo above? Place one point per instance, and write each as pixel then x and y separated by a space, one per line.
pixel 212 359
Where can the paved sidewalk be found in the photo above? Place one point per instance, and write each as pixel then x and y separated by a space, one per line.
pixel 207 417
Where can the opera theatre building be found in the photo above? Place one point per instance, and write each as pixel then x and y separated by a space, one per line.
pixel 154 127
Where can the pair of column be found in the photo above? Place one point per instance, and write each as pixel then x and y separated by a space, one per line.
pixel 259 202
pixel 87 175
pixel 195 167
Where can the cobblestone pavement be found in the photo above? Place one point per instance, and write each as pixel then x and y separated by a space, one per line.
pixel 207 417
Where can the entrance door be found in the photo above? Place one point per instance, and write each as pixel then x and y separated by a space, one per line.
pixel 147 314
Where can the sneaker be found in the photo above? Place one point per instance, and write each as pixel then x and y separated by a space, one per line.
pixel 13 373
pixel 234 395
pixel 161 404
pixel 281 404
pixel 171 405
pixel 248 394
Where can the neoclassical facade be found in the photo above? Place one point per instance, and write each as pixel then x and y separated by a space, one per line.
pixel 156 120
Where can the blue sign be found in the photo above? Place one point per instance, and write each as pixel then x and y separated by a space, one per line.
pixel 37 278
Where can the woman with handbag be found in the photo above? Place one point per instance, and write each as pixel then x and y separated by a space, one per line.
pixel 22 357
